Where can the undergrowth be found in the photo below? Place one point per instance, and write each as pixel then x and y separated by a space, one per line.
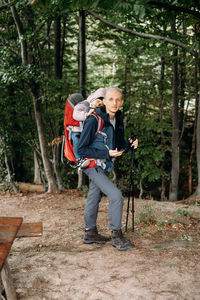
pixel 148 215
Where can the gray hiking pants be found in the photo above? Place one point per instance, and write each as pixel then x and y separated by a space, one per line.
pixel 100 183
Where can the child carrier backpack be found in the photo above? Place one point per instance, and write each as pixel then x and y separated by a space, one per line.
pixel 67 150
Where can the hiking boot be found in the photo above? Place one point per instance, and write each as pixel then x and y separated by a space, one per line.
pixel 91 236
pixel 119 242
pixel 83 163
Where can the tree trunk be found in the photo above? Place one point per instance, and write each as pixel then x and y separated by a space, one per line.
pixel 141 190
pixel 182 94
pixel 37 173
pixel 163 189
pixel 190 187
pixel 161 89
pixel 175 129
pixel 182 86
pixel 52 187
pixel 10 178
pixel 63 42
pixel 82 70
pixel 57 48
pixel 196 194
pixel 198 144
pixel 56 167
pixel 58 52
pixel 40 179
pixel 82 54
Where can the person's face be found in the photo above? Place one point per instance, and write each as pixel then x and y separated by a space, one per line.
pixel 113 101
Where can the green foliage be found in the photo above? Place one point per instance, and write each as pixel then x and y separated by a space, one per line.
pixel 3 171
pixel 4 177
pixel 180 212
pixel 186 237
pixel 84 190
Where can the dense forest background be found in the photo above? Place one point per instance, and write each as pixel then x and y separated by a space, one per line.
pixel 149 49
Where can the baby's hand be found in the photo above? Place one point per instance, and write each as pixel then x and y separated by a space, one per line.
pixel 89 112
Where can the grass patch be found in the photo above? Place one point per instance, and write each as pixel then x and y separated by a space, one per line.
pixel 147 214
pixel 182 212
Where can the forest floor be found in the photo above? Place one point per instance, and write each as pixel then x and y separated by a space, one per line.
pixel 164 264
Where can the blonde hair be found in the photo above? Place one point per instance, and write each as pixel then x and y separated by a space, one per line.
pixel 113 88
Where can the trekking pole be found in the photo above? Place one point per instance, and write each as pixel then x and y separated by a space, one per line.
pixel 131 188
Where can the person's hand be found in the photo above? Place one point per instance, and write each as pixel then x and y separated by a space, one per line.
pixel 89 112
pixel 133 144
pixel 115 153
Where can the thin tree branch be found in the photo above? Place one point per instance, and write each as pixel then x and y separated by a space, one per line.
pixel 20 30
pixel 6 6
pixel 175 8
pixel 140 34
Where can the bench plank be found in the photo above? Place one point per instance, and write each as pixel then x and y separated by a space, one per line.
pixel 30 230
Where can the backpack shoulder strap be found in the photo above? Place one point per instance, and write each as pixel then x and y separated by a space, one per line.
pixel 99 121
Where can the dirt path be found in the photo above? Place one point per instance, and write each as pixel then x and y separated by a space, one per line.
pixel 163 265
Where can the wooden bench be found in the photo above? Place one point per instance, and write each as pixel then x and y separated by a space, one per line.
pixel 11 228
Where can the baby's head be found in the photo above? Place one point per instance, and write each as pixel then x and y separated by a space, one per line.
pixel 97 103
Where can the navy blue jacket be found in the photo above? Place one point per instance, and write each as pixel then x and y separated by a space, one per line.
pixel 85 148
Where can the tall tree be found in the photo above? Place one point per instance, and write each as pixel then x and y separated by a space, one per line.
pixel 196 194
pixel 193 147
pixel 35 94
pixel 82 54
pixel 58 61
pixel 161 112
pixel 175 127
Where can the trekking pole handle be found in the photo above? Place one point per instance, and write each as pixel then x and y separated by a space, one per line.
pixel 133 136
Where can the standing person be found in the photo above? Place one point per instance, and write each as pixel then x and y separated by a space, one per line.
pixel 113 147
